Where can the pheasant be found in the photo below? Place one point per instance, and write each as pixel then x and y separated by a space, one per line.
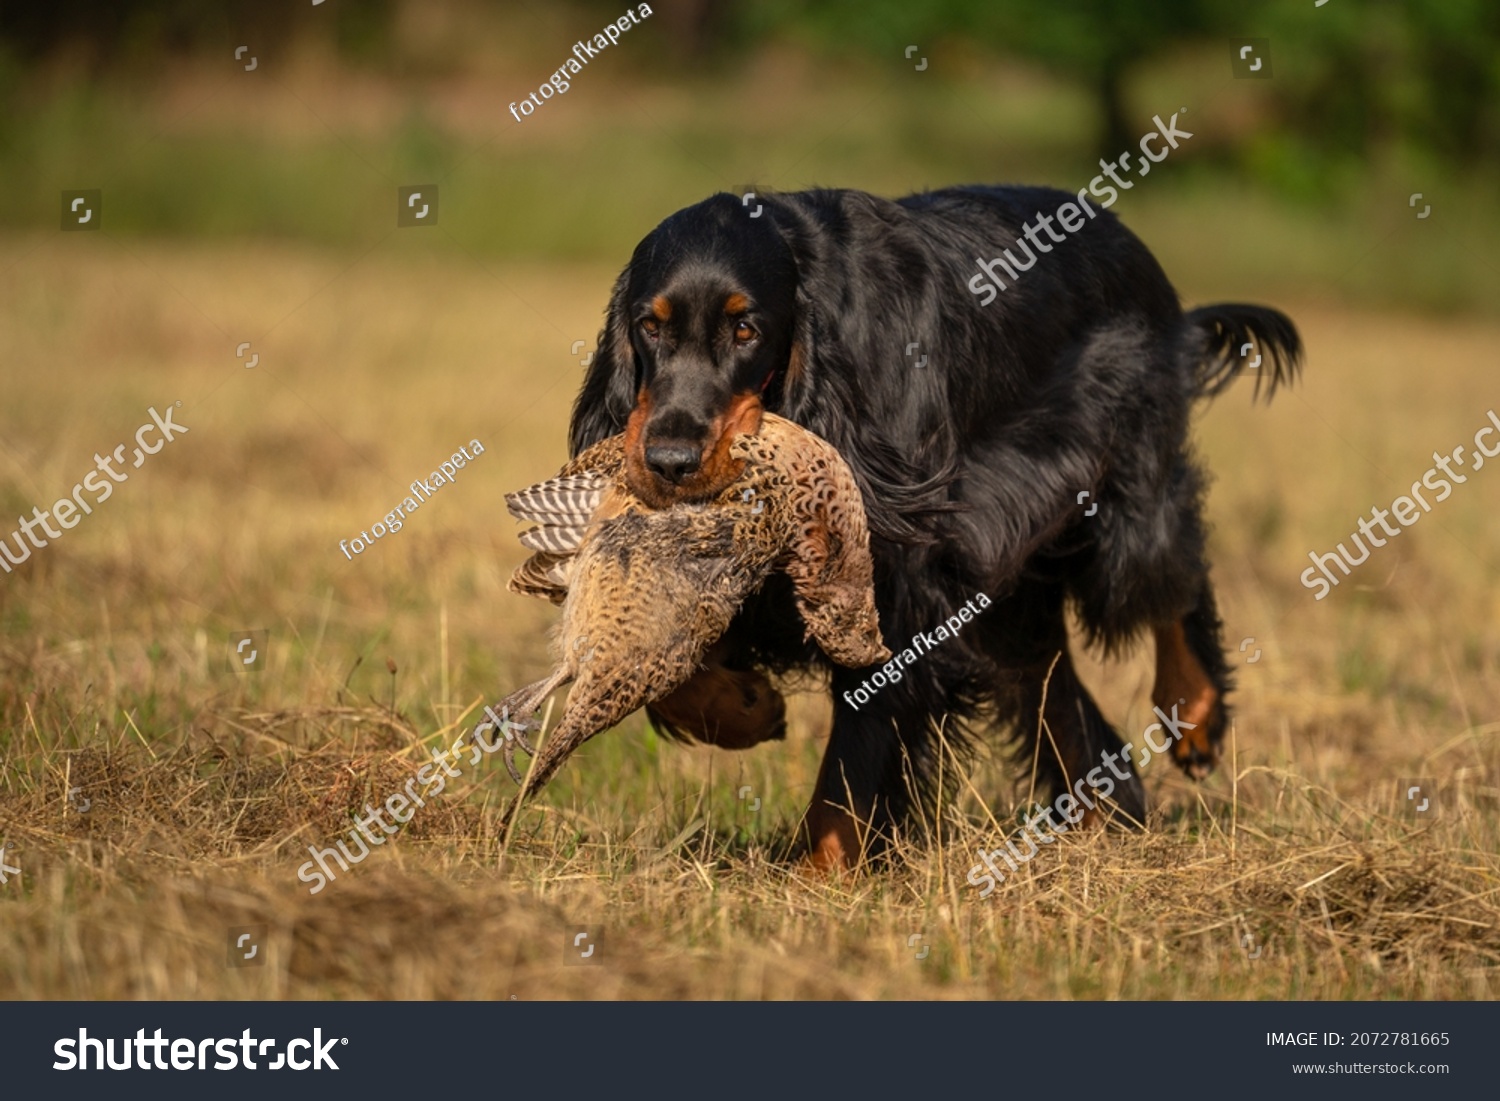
pixel 647 592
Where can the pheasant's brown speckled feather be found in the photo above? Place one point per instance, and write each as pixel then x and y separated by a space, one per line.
pixel 646 591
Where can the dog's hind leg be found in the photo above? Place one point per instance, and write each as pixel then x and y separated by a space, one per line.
pixel 1192 681
pixel 1075 749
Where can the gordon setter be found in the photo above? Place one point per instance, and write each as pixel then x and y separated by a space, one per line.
pixel 975 427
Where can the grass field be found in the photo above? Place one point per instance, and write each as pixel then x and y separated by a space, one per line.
pixel 1295 872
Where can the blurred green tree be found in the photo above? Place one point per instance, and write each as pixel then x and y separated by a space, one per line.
pixel 1095 43
pixel 1419 74
pixel 1350 77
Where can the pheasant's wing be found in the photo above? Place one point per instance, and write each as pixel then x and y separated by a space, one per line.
pixel 828 551
pixel 544 575
pixel 561 508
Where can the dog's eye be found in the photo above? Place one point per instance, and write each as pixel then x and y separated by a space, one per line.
pixel 743 333
pixel 651 328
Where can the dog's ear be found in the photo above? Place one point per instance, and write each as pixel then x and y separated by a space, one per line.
pixel 832 353
pixel 609 388
pixel 794 393
pixel 795 390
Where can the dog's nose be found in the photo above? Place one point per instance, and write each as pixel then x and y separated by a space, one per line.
pixel 673 462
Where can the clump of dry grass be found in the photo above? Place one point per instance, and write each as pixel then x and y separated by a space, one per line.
pixel 1284 890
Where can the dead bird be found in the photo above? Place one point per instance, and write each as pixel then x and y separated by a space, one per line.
pixel 646 592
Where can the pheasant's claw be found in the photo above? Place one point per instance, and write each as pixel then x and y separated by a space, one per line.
pixel 518 731
pixel 515 734
pixel 510 761
pixel 507 735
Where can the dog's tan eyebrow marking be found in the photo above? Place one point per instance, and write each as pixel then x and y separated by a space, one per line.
pixel 736 304
pixel 661 306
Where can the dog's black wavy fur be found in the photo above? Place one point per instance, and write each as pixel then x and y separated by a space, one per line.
pixel 1080 376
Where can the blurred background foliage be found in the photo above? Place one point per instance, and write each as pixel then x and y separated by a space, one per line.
pixel 1295 177
pixel 1355 79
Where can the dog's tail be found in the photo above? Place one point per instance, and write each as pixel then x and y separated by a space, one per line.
pixel 1218 343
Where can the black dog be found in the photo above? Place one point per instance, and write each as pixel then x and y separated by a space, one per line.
pixel 974 426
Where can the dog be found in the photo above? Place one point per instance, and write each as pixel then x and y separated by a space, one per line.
pixel 1031 446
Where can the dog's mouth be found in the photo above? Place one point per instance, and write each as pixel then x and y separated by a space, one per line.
pixel 664 471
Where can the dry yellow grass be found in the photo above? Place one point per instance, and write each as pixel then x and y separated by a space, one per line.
pixel 205 787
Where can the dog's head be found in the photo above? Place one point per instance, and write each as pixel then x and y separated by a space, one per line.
pixel 698 341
